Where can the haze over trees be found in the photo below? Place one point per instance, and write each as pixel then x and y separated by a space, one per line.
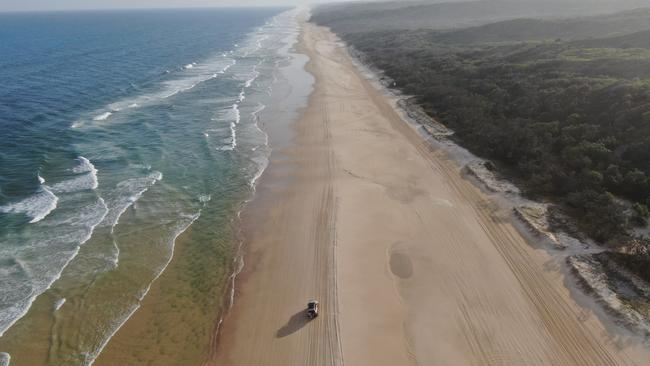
pixel 446 14
pixel 556 93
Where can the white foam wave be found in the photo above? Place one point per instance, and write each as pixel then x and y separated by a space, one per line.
pixel 41 279
pixel 102 117
pixel 91 357
pixel 5 359
pixel 256 118
pixel 250 81
pixel 115 261
pixel 89 221
pixel 236 112
pixel 58 304
pixel 41 180
pixel 257 111
pixel 79 183
pixel 86 180
pixel 84 166
pixel 195 75
pixel 129 192
pixel 232 63
pixel 37 206
pixel 262 163
pixel 233 116
pixel 205 198
pixel 176 88
pixel 233 137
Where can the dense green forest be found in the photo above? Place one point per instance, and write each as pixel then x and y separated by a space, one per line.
pixel 562 105
pixel 445 14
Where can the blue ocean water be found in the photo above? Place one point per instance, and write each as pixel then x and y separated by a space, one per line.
pixel 56 66
pixel 145 115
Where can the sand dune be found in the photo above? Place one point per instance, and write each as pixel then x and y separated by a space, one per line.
pixel 413 265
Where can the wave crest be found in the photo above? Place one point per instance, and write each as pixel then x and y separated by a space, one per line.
pixel 37 206
pixel 102 117
pixel 87 179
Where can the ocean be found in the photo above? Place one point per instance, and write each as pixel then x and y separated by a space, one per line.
pixel 123 133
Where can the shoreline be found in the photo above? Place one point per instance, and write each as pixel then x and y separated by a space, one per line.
pixel 277 184
pixel 230 271
pixel 241 267
pixel 168 310
pixel 354 284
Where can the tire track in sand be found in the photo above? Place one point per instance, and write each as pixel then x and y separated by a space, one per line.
pixel 573 343
pixel 290 255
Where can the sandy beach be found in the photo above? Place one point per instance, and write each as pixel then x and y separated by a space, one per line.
pixel 412 264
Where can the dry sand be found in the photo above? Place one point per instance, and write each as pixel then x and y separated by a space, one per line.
pixel 412 264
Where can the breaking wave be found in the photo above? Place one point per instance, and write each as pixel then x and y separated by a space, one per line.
pixel 86 178
pixel 37 206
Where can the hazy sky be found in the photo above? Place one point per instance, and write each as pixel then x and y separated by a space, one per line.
pixel 13 5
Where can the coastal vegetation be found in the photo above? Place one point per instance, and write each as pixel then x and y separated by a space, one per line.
pixel 346 18
pixel 560 105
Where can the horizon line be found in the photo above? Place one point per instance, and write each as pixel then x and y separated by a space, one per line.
pixel 64 10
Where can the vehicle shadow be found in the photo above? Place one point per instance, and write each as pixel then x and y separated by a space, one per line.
pixel 295 323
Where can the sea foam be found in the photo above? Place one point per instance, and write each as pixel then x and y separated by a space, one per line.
pixel 85 166
pixel 86 179
pixel 254 76
pixel 129 192
pixel 58 304
pixel 233 116
pixel 44 201
pixel 205 198
pixel 236 113
pixel 185 79
pixel 57 247
pixel 233 135
pixel 37 206
pixel 102 117
pixel 5 359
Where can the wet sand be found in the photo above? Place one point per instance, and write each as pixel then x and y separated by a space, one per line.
pixel 412 264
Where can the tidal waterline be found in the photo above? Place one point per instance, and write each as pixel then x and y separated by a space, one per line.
pixel 173 164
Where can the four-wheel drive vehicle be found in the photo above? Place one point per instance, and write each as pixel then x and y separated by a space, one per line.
pixel 312 309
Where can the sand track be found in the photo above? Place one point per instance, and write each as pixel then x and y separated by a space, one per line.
pixel 290 259
pixel 413 265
